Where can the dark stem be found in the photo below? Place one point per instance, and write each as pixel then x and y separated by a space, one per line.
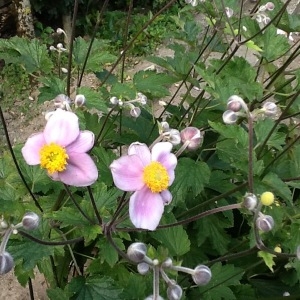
pixel 120 252
pixel 71 46
pixel 94 205
pixel 250 153
pixel 50 243
pixel 30 288
pixel 16 162
pixel 77 205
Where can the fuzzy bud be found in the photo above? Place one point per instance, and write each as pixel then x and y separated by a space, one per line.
pixel 6 263
pixel 143 268
pixel 142 98
pixel 135 112
pixel 79 100
pixel 250 201
pixel 265 223
pixel 270 6
pixel 234 105
pixel 192 135
pixel 229 117
pixel 30 221
pixel 52 48
pixel 202 275
pixel 62 101
pixel 174 137
pixel 114 100
pixel 60 31
pixel 174 292
pixel 229 12
pixel 167 263
pixel 270 109
pixel 163 127
pixel 137 252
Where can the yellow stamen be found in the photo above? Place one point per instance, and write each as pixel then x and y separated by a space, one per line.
pixel 53 158
pixel 156 177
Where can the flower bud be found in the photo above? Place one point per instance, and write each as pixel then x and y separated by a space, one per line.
pixel 229 12
pixel 163 127
pixel 174 137
pixel 60 47
pixel 229 117
pixel 143 268
pixel 192 135
pixel 137 252
pixel 151 298
pixel 62 101
pixel 270 6
pixel 167 263
pixel 250 201
pixel 79 100
pixel 265 223
pixel 60 31
pixel 234 105
pixel 52 48
pixel 270 109
pixel 135 112
pixel 3 224
pixel 64 70
pixel 114 100
pixel 202 275
pixel 6 263
pixel 30 221
pixel 174 292
pixel 142 98
pixel 267 198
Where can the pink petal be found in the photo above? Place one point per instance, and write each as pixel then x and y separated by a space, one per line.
pixel 31 149
pixel 81 170
pixel 161 153
pixel 145 209
pixel 83 143
pixel 166 196
pixel 127 172
pixel 142 151
pixel 62 128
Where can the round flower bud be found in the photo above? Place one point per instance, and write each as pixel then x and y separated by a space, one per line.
pixel 64 70
pixel 267 198
pixel 270 6
pixel 142 98
pixel 114 100
pixel 229 12
pixel 60 31
pixel 167 263
pixel 270 109
pixel 6 263
pixel 202 275
pixel 277 249
pixel 30 221
pixel 52 48
pixel 174 292
pixel 79 100
pixel 3 224
pixel 135 112
pixel 192 135
pixel 286 294
pixel 143 268
pixel 229 117
pixel 234 105
pixel 62 101
pixel 174 137
pixel 250 201
pixel 137 252
pixel 265 223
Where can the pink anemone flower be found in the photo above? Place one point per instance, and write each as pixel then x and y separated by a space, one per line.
pixel 61 150
pixel 148 175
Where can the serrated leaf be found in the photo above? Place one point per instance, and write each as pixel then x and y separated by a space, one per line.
pixel 175 239
pixel 123 91
pixel 251 45
pixel 94 99
pixel 57 293
pixel 93 287
pixel 52 86
pixel 223 277
pixel 268 259
pixel 155 84
pixel 134 287
pixel 190 177
pixel 108 252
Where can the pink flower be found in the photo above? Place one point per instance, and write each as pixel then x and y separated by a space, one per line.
pixel 148 175
pixel 61 150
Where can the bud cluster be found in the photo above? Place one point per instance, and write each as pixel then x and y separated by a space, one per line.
pixel 134 111
pixel 137 252
pixel 236 107
pixel 30 221
pixel 261 14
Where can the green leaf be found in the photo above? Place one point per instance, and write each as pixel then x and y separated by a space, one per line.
pixel 223 277
pixel 155 84
pixel 275 45
pixel 52 86
pixel 93 287
pixel 190 178
pixel 175 239
pixel 108 252
pixel 123 91
pixel 57 293
pixel 251 45
pixel 94 99
pixel 134 287
pixel 268 259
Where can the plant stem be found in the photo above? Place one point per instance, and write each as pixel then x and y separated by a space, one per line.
pixel 94 205
pixel 250 153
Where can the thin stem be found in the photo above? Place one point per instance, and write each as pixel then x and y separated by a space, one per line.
pixel 91 42
pixel 10 148
pixel 121 205
pixel 71 46
pixel 5 239
pixel 155 282
pixel 94 205
pixel 77 205
pixel 120 252
pixel 30 288
pixel 50 243
pixel 250 153
pixel 202 215
pixel 134 38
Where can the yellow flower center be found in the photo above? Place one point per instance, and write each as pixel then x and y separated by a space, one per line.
pixel 53 158
pixel 156 177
